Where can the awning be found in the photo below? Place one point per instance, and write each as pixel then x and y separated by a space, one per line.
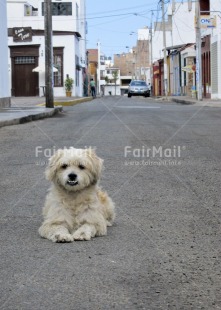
pixel 42 69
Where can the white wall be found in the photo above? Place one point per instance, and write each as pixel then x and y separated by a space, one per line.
pixel 183 30
pixel 111 88
pixel 16 17
pixel 143 34
pixel 4 82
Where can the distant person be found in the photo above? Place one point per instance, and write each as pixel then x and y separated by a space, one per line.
pixel 102 90
pixel 93 89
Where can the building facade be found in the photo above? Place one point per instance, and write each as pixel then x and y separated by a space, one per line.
pixel 4 79
pixel 26 42
pixel 136 62
pixel 181 62
pixel 112 81
pixel 211 49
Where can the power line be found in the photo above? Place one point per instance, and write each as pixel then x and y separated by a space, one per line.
pixel 107 16
pixel 123 9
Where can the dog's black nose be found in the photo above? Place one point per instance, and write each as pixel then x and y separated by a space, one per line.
pixel 72 176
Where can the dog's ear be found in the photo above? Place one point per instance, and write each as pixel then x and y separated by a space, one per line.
pixel 97 162
pixel 53 165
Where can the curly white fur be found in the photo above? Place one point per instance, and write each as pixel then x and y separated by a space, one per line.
pixel 75 208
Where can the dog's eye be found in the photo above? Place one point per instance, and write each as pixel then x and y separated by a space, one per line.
pixel 64 166
pixel 81 167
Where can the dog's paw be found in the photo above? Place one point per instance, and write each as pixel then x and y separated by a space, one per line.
pixel 82 235
pixel 62 238
pixel 109 224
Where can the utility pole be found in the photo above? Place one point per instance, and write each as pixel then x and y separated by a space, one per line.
pixel 198 52
pixel 151 54
pixel 164 49
pixel 48 55
pixel 98 67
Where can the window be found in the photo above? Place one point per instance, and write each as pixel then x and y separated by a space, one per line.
pixel 58 64
pixel 30 10
pixel 184 73
pixel 138 83
pixel 24 60
pixel 102 62
pixel 205 7
pixel 76 71
pixel 102 73
pixel 64 8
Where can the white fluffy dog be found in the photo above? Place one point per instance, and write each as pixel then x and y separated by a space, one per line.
pixel 75 207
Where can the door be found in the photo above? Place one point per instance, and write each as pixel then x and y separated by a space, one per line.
pixel 24 59
pixel 25 81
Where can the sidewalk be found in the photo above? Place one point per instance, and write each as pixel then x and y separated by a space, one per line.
pixel 40 101
pixel 206 102
pixel 26 109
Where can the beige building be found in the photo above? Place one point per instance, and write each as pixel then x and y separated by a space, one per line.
pixel 136 63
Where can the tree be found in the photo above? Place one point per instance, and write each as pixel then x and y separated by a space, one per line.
pixel 115 78
pixel 106 79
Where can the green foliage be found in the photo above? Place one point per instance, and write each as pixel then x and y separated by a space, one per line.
pixel 106 79
pixel 68 83
pixel 115 75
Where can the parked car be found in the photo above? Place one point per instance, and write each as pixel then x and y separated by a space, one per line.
pixel 138 88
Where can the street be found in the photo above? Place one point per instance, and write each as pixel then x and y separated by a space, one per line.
pixel 162 170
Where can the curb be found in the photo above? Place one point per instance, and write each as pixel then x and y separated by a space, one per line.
pixel 31 117
pixel 181 101
pixel 69 103
pixel 72 102
pixel 177 100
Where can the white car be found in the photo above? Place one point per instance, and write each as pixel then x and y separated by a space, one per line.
pixel 138 88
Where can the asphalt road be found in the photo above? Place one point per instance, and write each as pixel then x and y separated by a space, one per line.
pixel 163 251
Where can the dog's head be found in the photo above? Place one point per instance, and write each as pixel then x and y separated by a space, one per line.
pixel 74 169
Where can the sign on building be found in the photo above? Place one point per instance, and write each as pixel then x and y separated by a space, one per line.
pixel 207 21
pixel 22 34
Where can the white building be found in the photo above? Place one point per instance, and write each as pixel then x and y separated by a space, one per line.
pixel 27 46
pixel 215 47
pixel 179 26
pixel 4 82
pixel 112 86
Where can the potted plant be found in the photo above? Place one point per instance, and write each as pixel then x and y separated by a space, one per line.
pixel 68 83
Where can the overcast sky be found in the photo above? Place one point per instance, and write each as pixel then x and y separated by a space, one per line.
pixel 111 22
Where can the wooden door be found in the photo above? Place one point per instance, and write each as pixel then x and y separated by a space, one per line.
pixel 25 81
pixel 24 59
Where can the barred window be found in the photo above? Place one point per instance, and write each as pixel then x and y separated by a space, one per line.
pixel 64 8
pixel 24 60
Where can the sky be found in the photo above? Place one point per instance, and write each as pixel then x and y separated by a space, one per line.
pixel 112 22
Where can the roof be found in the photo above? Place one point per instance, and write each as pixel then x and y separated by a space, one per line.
pixel 179 47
